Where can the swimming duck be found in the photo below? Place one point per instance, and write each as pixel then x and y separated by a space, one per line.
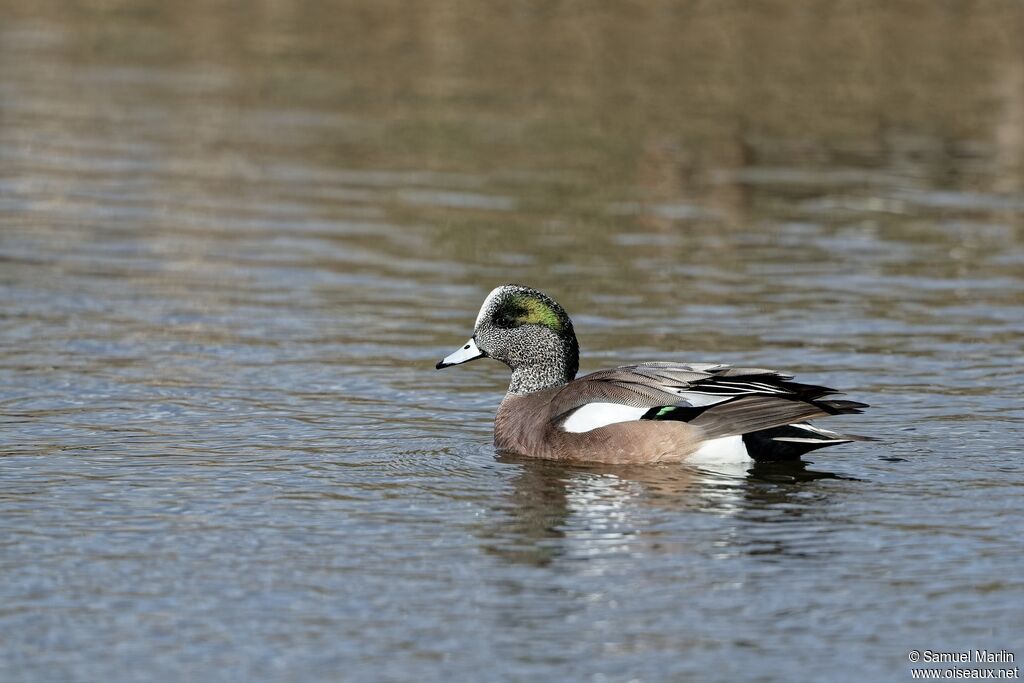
pixel 644 413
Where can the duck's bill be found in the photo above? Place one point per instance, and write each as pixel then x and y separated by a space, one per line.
pixel 467 353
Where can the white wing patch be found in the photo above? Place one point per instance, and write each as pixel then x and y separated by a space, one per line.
pixel 699 399
pixel 594 415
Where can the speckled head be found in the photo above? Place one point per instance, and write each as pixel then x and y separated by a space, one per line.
pixel 528 331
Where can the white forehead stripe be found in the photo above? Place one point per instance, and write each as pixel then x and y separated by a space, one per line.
pixel 594 415
pixel 486 304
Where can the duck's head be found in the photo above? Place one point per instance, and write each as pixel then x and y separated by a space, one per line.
pixel 529 332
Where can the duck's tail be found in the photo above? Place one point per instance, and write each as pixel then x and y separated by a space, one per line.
pixel 789 442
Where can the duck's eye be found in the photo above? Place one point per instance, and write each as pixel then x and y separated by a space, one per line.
pixel 510 315
pixel 505 321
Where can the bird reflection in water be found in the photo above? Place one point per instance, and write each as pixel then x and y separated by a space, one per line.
pixel 556 512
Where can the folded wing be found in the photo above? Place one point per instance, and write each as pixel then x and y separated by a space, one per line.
pixel 721 399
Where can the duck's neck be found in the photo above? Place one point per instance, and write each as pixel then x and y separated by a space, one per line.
pixel 551 372
pixel 535 378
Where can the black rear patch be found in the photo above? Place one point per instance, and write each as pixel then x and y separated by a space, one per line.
pixel 763 445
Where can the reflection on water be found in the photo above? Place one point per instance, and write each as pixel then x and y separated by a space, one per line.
pixel 565 513
pixel 233 243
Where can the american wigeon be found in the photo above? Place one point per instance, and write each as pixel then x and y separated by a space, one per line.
pixel 651 412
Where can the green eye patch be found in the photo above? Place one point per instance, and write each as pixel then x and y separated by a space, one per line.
pixel 523 310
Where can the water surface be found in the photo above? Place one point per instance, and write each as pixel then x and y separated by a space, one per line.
pixel 235 239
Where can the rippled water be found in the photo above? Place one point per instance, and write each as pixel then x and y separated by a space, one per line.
pixel 234 241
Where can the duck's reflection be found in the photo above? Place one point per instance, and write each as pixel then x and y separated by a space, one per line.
pixel 576 513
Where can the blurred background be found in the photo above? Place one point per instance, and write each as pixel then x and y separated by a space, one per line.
pixel 236 236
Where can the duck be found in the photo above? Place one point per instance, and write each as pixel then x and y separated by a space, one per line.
pixel 651 412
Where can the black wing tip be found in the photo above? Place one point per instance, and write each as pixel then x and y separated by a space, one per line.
pixel 860 437
pixel 842 407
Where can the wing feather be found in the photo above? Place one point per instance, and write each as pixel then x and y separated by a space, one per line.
pixel 722 399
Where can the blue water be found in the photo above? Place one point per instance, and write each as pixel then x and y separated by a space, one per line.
pixel 230 255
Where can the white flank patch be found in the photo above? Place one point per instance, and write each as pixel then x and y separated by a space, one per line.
pixel 727 449
pixel 594 415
